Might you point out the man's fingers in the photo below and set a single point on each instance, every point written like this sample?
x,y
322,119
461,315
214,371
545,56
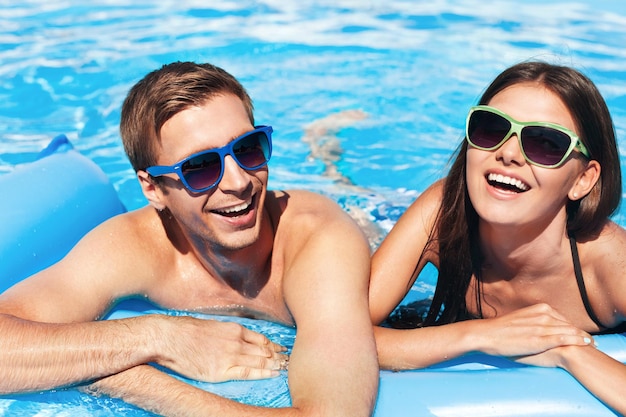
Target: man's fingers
x,y
259,345
239,373
257,368
261,340
276,363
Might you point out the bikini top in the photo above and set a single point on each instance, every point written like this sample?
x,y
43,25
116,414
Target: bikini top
x,y
621,328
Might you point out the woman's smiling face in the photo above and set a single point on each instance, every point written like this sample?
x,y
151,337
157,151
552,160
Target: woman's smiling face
x,y
503,187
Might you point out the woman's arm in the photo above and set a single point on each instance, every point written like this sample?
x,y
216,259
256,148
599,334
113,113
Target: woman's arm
x,y
600,374
395,263
528,331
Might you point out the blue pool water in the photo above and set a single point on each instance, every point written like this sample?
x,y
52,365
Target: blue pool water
x,y
414,69
411,68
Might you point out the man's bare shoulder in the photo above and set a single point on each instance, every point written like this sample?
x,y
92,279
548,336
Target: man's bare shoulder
x,y
292,202
303,210
299,215
138,216
133,227
125,244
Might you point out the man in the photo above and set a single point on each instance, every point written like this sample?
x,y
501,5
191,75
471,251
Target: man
x,y
213,238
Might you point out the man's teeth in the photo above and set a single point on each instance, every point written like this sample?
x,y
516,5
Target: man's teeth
x,y
236,209
508,181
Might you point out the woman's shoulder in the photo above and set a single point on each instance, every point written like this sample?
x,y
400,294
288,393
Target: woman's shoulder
x,y
426,206
605,249
607,255
611,236
416,226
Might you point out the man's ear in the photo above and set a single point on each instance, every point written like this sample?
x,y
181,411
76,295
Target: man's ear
x,y
150,190
585,181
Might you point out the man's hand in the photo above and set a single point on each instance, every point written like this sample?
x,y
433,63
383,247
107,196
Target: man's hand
x,y
214,351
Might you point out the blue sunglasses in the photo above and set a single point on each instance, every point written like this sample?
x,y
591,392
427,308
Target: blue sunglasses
x,y
204,170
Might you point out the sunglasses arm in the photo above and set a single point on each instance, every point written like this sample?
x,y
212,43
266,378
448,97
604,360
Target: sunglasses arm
x,y
158,170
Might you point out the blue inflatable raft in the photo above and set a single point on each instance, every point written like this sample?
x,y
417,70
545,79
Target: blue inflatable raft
x,y
49,204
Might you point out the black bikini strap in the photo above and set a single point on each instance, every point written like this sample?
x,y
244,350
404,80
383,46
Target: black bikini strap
x,y
581,284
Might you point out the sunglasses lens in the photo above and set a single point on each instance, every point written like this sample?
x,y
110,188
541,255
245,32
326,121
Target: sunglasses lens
x,y
544,145
252,151
486,129
203,170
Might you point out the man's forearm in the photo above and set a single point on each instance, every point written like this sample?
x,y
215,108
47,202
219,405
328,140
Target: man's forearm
x,y
147,387
150,389
38,356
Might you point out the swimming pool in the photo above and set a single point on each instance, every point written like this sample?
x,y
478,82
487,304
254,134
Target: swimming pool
x,y
413,69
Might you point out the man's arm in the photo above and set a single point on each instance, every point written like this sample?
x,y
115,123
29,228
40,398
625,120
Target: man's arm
x,y
50,339
333,368
152,390
38,356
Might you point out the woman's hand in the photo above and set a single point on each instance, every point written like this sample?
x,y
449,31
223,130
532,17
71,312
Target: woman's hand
x,y
528,331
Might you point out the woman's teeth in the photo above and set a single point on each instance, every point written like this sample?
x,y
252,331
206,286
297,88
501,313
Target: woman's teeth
x,y
507,181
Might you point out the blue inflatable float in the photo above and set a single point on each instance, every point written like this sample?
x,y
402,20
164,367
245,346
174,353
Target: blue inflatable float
x,y
49,204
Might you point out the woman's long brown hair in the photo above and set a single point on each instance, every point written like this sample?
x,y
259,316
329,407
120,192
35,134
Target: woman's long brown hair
x,y
456,237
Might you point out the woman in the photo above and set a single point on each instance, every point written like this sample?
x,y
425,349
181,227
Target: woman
x,y
520,234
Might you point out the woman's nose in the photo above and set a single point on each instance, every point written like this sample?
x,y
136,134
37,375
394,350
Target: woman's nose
x,y
511,152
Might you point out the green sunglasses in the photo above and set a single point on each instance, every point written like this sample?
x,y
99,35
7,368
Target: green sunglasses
x,y
542,143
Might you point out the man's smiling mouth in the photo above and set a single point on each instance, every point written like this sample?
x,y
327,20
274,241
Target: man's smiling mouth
x,y
238,210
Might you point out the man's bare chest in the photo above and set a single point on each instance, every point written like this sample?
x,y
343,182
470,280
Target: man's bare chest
x,y
198,291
